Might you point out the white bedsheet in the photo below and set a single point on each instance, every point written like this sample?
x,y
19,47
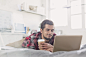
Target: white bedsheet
x,y
23,52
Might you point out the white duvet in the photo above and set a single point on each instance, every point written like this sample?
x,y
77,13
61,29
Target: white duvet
x,y
22,52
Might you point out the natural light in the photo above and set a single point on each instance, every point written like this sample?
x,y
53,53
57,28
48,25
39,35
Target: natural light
x,y
76,22
58,12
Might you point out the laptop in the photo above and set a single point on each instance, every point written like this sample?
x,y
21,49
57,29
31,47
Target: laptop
x,y
67,42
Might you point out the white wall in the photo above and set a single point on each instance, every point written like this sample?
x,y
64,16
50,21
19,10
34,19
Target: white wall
x,y
30,20
68,31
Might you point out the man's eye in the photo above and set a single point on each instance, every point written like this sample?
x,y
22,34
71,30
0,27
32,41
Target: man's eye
x,y
47,29
52,30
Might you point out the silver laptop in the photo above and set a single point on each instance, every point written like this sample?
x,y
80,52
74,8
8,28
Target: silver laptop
x,y
67,42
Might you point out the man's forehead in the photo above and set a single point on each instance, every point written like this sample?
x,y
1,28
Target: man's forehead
x,y
49,29
49,26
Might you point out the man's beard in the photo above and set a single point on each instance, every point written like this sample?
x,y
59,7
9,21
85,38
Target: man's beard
x,y
46,38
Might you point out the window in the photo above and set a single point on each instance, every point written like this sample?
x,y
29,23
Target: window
x,y
85,13
58,12
76,7
76,14
71,13
76,22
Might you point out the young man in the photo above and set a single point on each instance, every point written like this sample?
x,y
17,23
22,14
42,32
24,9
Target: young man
x,y
46,33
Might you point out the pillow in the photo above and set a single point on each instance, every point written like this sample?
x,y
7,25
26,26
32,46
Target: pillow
x,y
17,44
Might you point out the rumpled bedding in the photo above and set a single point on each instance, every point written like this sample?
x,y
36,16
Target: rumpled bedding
x,y
23,52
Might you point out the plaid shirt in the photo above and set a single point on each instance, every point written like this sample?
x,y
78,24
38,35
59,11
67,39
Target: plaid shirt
x,y
31,41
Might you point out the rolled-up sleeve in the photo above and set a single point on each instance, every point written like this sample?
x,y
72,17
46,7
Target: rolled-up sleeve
x,y
27,43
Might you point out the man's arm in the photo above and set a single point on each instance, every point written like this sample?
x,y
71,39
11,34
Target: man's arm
x,y
28,43
46,46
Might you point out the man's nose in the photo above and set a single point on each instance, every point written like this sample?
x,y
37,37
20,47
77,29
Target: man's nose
x,y
50,31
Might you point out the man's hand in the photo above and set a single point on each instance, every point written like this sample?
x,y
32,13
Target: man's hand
x,y
50,49
46,46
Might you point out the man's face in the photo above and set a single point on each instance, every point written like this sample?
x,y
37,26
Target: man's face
x,y
48,31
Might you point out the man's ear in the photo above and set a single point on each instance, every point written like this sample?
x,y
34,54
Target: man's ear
x,y
41,30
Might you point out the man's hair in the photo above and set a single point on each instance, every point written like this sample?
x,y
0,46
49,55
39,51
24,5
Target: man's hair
x,y
49,22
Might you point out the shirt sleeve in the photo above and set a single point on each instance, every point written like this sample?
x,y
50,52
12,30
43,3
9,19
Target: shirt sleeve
x,y
27,43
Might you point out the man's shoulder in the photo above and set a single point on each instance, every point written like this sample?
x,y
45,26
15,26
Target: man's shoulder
x,y
54,35
34,35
